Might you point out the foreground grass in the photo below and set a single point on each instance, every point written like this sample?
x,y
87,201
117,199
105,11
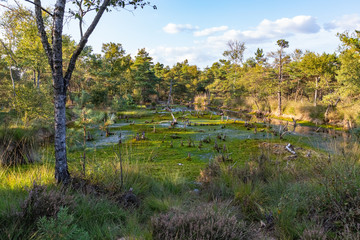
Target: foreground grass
x,y
261,190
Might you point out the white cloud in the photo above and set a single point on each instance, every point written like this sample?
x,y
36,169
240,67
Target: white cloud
x,y
346,22
268,31
173,28
198,55
209,31
298,24
302,32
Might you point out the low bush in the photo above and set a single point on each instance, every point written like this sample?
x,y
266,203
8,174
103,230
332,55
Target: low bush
x,y
98,95
122,103
60,227
43,203
206,221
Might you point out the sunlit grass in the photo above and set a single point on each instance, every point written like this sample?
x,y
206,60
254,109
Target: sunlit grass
x,y
20,177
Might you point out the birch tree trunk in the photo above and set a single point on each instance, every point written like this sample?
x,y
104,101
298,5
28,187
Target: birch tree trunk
x,y
61,167
60,82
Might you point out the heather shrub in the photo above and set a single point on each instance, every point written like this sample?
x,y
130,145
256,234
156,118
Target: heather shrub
x,y
206,221
43,203
314,233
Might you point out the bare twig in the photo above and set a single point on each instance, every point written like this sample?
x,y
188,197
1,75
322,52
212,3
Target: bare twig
x,y
38,5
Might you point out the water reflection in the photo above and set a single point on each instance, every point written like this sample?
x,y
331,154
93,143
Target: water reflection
x,y
318,137
321,138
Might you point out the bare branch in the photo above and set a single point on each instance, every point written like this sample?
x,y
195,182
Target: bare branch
x,y
43,36
37,5
83,41
2,5
9,51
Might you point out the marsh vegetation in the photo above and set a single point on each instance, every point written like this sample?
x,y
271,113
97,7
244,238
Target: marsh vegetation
x,y
209,176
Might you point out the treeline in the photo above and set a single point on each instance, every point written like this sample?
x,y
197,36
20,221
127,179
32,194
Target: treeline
x,y
302,84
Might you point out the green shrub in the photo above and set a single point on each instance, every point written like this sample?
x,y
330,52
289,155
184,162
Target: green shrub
x,y
31,103
62,227
98,95
83,100
122,103
314,112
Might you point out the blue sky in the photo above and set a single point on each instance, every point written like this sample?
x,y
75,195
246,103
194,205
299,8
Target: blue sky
x,y
198,30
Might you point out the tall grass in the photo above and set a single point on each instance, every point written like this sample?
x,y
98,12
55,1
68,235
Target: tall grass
x,y
318,193
100,214
17,146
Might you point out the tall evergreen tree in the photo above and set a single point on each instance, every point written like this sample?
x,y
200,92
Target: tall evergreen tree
x,y
144,76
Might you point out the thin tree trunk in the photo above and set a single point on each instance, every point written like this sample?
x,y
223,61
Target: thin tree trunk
x,y
61,166
296,95
316,91
121,167
13,83
280,82
38,79
34,77
84,152
80,26
279,102
170,97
